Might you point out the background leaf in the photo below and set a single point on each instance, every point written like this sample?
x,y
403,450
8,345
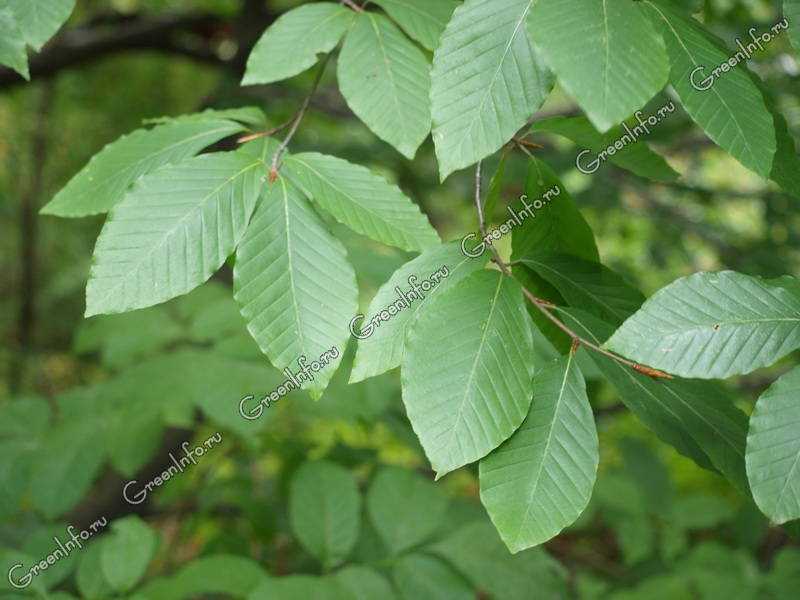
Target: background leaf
x,y
404,508
421,576
127,552
467,370
385,80
325,511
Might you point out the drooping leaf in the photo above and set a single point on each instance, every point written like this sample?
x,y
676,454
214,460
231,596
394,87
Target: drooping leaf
x,y
541,288
386,82
384,348
605,53
421,576
404,508
325,511
635,156
216,574
291,44
489,566
485,83
732,110
39,20
293,284
173,231
698,418
12,44
126,553
553,222
423,20
467,370
589,286
713,325
540,480
103,182
363,201
773,450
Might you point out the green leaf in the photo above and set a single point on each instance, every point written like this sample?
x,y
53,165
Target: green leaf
x,y
12,44
364,583
636,157
488,566
217,574
68,462
39,20
589,286
127,552
791,11
698,418
384,348
300,587
494,193
606,55
713,325
404,508
173,231
386,82
363,201
102,183
89,578
293,284
773,450
486,81
291,44
732,111
252,116
557,225
418,576
467,370
541,479
325,511
423,20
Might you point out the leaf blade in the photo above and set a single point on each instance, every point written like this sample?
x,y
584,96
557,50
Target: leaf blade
x,y
385,80
461,398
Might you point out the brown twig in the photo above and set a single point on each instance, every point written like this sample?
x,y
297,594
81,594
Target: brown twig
x,y
260,134
295,123
352,5
546,307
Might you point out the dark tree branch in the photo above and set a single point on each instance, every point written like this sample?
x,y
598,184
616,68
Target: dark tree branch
x,y
194,36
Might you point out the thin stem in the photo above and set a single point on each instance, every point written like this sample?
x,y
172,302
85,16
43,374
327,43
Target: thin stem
x,y
546,307
260,134
352,5
295,123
